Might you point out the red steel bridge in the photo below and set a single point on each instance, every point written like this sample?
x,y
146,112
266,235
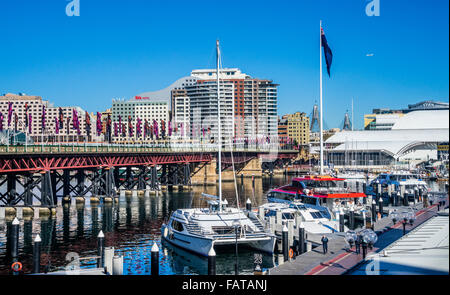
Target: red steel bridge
x,y
103,169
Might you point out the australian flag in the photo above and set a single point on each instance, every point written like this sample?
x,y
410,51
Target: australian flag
x,y
327,52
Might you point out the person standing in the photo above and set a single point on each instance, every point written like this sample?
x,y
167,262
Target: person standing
x,y
325,244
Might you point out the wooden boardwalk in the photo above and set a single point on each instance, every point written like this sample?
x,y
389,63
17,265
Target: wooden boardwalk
x,y
339,258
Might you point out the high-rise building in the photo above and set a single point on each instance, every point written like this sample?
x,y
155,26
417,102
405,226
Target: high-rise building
x,y
254,101
298,127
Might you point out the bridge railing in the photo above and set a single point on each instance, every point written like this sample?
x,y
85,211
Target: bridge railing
x,y
131,148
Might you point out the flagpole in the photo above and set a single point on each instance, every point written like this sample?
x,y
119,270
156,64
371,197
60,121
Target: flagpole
x,y
321,109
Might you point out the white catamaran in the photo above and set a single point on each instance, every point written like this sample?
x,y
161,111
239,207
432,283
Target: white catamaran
x,y
199,229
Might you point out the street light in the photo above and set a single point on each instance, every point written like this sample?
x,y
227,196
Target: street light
x,y
369,238
236,227
394,216
407,217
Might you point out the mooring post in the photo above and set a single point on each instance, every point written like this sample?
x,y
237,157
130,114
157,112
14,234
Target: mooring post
x,y
212,262
155,260
416,195
248,205
352,219
109,255
15,238
118,265
374,211
37,254
285,243
341,221
101,249
301,238
380,207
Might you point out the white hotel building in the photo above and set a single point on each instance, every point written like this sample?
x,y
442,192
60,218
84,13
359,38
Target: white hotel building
x,y
139,107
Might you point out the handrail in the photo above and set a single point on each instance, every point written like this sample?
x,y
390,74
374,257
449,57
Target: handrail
x,y
118,148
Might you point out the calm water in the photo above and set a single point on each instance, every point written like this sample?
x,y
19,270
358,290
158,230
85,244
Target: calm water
x,y
131,227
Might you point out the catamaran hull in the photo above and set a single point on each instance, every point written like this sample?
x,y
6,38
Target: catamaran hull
x,y
202,245
199,245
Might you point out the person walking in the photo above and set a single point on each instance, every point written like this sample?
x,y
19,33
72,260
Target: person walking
x,y
325,244
358,244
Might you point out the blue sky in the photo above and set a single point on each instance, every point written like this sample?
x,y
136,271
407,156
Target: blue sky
x,y
123,48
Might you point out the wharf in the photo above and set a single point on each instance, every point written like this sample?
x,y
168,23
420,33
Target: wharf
x,y
340,259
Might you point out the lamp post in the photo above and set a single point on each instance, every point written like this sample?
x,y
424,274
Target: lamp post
x,y
407,217
369,238
394,216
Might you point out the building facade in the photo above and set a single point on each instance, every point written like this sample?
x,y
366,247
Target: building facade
x,y
298,127
139,107
25,106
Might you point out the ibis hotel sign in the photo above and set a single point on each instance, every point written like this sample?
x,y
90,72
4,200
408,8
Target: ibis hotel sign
x,y
141,98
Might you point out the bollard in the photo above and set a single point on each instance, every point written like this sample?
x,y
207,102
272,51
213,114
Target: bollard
x,y
212,262
364,218
345,184
416,195
341,221
374,211
248,205
364,187
420,195
379,191
357,186
118,265
15,238
380,207
405,199
155,260
397,198
285,243
351,221
37,255
109,255
101,250
301,238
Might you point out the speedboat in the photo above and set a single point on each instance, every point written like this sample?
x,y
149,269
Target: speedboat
x,y
199,229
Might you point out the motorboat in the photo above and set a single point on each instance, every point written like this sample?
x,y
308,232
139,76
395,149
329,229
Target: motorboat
x,y
324,193
314,220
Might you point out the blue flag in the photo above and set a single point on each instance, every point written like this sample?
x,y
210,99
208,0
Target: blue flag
x,y
327,52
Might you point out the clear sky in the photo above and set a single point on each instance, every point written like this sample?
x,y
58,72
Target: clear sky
x,y
123,48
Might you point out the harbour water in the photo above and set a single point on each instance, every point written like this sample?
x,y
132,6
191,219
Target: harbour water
x,y
132,227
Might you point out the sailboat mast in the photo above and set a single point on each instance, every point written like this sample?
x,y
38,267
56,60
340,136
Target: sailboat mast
x,y
219,158
321,109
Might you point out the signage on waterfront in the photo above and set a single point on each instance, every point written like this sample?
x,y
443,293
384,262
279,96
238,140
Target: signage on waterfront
x,y
141,98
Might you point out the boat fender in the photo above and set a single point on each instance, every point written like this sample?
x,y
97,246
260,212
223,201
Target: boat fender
x,y
166,232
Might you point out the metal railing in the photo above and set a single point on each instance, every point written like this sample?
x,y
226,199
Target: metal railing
x,y
130,148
